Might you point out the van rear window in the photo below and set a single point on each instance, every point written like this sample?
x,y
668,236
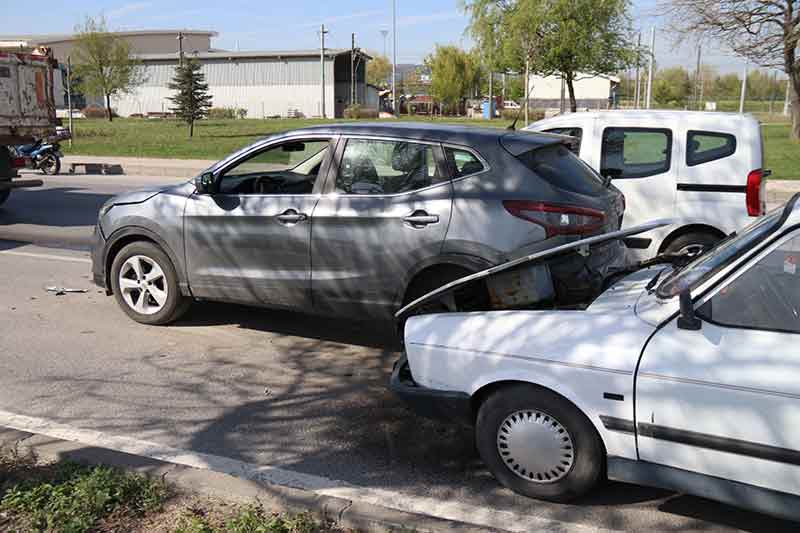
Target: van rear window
x,y
557,165
705,146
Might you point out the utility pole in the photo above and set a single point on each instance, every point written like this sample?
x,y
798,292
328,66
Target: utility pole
x,y
69,97
322,32
650,66
697,79
527,87
772,91
561,102
180,48
352,69
744,89
395,109
638,62
491,95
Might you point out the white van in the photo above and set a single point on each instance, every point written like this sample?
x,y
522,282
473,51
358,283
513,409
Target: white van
x,y
703,169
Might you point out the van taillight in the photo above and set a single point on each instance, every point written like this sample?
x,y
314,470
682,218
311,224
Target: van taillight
x,y
755,193
557,219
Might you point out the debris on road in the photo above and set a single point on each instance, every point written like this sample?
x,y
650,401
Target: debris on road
x,y
60,291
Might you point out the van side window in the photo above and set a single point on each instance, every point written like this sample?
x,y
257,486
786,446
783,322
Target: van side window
x,y
705,146
574,146
635,152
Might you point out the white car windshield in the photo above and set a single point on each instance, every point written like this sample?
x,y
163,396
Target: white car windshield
x,y
717,258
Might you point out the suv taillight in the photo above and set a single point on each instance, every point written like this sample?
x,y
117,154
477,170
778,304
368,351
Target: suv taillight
x,y
18,162
557,219
755,193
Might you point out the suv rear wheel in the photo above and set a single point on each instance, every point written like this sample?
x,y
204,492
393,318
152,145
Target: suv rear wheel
x,y
146,286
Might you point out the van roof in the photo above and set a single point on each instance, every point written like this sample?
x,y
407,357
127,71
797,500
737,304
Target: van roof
x,y
659,115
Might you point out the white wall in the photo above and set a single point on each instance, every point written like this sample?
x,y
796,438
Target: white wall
x,y
549,87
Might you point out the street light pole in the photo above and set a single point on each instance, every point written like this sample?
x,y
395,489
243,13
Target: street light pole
x,y
395,110
322,33
69,97
650,66
384,33
744,89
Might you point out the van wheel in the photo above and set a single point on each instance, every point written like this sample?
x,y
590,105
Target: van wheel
x,y
146,286
692,244
538,444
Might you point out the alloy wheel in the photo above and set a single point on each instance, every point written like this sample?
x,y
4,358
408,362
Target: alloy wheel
x,y
143,285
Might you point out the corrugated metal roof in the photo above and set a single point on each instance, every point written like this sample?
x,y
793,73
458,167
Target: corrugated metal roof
x,y
45,38
271,54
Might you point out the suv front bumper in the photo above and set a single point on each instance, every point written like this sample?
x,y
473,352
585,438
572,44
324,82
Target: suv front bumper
x,y
449,406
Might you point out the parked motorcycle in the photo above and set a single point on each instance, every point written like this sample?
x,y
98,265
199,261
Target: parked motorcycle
x,y
42,155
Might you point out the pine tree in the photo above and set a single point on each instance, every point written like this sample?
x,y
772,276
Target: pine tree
x,y
192,100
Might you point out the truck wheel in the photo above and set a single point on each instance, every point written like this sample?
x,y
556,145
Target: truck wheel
x,y
694,244
146,286
538,444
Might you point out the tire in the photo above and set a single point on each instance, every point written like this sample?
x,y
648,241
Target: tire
x,y
6,172
4,196
50,165
163,302
469,298
696,243
572,459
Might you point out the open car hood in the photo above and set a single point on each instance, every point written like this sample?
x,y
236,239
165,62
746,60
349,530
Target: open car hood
x,y
586,243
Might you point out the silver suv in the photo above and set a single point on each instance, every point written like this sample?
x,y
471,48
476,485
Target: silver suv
x,y
356,220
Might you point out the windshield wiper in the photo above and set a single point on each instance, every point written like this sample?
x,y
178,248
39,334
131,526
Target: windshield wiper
x,y
653,282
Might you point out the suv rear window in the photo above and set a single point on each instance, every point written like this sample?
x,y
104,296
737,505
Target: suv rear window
x,y
557,165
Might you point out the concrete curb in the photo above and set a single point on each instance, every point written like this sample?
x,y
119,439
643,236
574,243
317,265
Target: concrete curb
x,y
142,166
346,513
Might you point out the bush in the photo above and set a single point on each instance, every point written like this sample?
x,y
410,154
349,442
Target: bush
x,y
227,113
511,114
95,111
359,111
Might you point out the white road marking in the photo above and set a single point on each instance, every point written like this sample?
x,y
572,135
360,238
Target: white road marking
x,y
52,257
447,509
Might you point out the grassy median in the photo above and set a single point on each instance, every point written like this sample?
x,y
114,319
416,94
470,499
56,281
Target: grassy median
x,y
68,497
214,139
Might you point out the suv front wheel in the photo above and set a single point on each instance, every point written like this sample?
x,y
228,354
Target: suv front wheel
x,y
146,286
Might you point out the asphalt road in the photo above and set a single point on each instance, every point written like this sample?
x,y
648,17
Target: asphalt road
x,y
274,388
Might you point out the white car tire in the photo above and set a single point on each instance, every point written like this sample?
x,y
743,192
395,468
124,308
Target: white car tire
x,y
538,444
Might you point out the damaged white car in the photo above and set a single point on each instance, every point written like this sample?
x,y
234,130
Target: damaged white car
x,y
682,374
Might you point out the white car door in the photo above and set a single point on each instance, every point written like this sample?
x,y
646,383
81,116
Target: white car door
x,y
725,400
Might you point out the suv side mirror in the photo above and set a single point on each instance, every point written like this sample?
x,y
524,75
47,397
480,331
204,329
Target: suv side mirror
x,y
206,183
687,319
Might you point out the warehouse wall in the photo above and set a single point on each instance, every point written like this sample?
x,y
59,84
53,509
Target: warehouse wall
x,y
264,87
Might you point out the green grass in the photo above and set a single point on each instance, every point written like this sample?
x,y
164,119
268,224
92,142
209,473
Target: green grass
x,y
250,519
215,139
67,497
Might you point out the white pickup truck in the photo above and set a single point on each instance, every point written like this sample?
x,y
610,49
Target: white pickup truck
x,y
27,106
704,170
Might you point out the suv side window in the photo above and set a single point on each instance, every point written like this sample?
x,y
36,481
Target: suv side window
x,y
635,152
463,162
705,146
766,296
288,168
576,132
386,167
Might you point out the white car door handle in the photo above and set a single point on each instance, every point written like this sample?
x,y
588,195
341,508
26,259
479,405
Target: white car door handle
x,y
292,217
421,219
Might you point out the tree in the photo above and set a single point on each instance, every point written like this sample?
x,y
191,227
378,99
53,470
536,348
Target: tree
x,y
453,75
379,71
557,37
192,100
766,32
103,63
672,87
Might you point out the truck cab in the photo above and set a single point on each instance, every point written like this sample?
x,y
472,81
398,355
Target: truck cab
x,y
705,170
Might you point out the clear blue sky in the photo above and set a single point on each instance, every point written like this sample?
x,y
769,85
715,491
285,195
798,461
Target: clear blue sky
x,y
292,24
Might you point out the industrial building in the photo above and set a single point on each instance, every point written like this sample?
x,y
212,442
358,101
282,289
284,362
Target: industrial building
x,y
263,83
591,91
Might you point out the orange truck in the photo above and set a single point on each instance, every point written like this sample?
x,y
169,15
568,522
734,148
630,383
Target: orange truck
x,y
28,76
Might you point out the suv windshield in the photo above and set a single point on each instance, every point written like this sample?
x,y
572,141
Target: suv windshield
x,y
713,261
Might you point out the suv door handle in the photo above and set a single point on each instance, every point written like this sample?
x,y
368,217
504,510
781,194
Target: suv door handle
x,y
421,218
290,216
